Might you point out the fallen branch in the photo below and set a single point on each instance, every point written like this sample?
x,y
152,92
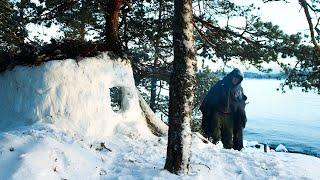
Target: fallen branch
x,y
158,127
205,140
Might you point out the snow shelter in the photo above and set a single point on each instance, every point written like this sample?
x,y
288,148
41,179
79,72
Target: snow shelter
x,y
73,96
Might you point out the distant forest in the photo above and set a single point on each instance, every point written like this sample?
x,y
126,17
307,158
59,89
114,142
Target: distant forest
x,y
252,75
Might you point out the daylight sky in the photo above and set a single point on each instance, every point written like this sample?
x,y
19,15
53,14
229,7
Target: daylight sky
x,y
289,16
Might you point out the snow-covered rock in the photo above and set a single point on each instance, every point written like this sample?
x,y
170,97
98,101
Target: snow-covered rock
x,y
281,148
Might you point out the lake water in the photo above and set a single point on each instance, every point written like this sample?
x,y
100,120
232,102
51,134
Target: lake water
x,y
291,118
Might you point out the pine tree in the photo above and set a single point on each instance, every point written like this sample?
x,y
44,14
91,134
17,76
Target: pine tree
x,y
182,86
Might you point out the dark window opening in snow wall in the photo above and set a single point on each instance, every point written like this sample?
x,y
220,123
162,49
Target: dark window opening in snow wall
x,y
116,98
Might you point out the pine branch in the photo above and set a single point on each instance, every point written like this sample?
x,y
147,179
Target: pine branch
x,y
51,13
203,36
305,6
265,1
218,29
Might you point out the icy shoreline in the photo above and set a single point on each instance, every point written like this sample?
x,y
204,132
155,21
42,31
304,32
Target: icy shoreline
x,y
273,147
304,152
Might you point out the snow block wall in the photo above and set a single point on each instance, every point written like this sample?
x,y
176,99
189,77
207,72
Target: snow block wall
x,y
74,97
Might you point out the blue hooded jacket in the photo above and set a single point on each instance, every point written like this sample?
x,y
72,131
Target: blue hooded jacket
x,y
223,96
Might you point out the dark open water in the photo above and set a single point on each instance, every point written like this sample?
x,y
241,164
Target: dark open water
x,y
292,118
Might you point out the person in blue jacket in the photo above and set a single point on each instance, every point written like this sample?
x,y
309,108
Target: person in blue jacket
x,y
223,113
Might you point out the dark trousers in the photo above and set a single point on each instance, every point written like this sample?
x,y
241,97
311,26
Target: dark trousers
x,y
225,127
238,138
219,126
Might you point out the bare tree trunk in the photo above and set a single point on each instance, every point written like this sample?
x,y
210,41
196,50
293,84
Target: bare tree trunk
x,y
182,87
112,12
82,32
153,94
156,60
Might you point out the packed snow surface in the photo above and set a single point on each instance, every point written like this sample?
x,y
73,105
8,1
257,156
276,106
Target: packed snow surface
x,y
56,122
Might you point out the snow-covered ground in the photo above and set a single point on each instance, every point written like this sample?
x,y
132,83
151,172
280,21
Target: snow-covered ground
x,y
42,152
56,122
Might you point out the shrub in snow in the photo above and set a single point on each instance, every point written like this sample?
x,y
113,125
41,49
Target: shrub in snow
x,y
116,98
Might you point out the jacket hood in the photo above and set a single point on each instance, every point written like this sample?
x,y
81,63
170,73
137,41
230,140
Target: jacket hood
x,y
235,73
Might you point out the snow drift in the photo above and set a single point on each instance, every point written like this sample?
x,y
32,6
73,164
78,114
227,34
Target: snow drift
x,y
73,96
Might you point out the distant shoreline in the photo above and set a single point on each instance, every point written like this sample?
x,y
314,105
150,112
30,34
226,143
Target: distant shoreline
x,y
252,75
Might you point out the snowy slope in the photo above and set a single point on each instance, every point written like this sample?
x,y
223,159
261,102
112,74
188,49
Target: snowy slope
x,y
56,122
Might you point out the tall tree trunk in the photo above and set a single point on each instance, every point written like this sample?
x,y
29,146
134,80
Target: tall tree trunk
x,y
182,87
112,12
153,94
156,60
82,32
22,6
